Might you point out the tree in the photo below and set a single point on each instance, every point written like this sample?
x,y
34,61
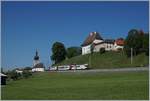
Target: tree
x,y
73,51
146,43
14,75
58,52
28,68
134,40
26,74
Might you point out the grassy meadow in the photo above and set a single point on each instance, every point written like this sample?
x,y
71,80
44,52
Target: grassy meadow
x,y
108,60
55,86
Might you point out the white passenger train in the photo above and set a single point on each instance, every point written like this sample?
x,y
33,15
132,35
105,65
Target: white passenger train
x,y
69,67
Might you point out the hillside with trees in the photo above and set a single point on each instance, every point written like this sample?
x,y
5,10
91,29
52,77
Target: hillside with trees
x,y
136,40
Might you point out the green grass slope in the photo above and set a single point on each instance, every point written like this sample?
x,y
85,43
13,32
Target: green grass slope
x,y
108,60
55,86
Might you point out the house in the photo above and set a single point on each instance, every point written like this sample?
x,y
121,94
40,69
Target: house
x,y
119,44
92,39
3,79
94,42
37,66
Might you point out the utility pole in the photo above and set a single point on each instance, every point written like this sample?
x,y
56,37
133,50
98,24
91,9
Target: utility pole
x,y
90,59
90,55
131,55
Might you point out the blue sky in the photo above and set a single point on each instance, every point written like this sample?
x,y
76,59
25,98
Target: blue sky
x,y
27,26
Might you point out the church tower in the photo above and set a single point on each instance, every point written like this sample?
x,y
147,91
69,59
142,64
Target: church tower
x,y
36,59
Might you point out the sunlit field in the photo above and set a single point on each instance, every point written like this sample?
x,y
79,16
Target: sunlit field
x,y
52,85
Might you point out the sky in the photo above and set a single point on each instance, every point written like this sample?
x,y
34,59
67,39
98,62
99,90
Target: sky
x,y
31,25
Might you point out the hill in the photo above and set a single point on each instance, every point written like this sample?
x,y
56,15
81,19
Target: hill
x,y
108,60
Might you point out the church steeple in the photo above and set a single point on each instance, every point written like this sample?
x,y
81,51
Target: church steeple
x,y
36,57
37,65
36,53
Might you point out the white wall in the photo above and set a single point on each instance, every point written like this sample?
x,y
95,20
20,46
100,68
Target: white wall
x,y
86,49
109,46
98,47
36,62
118,47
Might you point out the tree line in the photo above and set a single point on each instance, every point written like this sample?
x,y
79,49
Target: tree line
x,y
138,41
60,53
13,75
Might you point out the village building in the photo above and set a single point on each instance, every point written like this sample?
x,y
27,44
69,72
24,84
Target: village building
x,y
37,66
94,42
88,44
119,43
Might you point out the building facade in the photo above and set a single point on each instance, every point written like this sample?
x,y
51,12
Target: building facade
x,y
94,42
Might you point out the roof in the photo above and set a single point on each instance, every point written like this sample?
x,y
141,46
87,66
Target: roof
x,y
39,65
120,41
92,36
109,41
99,43
36,57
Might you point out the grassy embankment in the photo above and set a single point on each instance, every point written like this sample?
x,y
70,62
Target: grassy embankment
x,y
108,60
52,85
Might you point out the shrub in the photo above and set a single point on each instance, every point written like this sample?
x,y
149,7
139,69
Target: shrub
x,y
119,49
26,74
102,50
13,75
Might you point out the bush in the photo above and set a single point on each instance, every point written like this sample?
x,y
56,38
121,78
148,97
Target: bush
x,y
102,50
28,68
13,75
26,74
73,51
119,49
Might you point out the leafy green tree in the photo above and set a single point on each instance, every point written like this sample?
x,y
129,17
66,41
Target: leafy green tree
x,y
58,52
134,40
73,51
146,43
28,68
26,74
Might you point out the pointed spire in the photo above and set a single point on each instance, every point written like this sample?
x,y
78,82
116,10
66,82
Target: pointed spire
x,y
36,52
36,57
